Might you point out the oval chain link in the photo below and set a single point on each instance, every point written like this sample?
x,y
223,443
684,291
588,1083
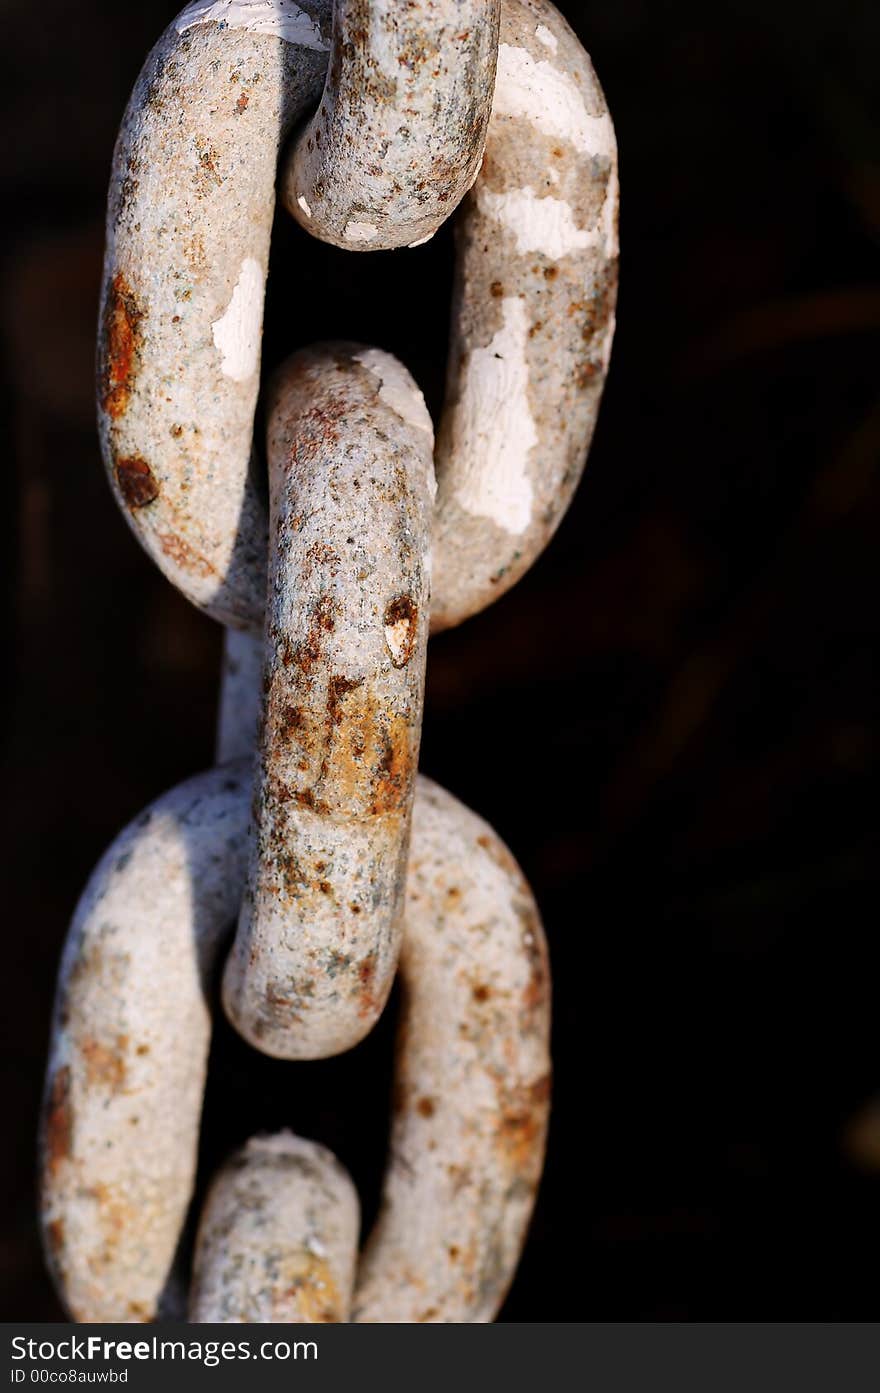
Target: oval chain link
x,y
314,830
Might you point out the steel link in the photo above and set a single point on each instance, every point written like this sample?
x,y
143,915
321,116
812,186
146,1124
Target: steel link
x,y
129,1047
398,136
179,359
351,481
533,318
277,1238
321,702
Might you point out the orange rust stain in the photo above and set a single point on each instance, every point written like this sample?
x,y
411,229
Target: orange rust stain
x,y
521,1123
367,997
58,1135
137,483
426,1107
242,104
312,1296
183,555
306,654
120,346
496,290
105,1064
481,993
55,1236
394,773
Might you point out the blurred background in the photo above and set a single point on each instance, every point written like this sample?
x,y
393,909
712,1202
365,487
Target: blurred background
x,y
671,720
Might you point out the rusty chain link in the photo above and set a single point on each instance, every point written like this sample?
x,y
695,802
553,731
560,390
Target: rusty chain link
x,y
314,829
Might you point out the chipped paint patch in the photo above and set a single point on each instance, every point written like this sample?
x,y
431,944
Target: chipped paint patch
x,y
282,18
397,388
543,35
494,428
303,203
361,232
537,91
237,333
539,224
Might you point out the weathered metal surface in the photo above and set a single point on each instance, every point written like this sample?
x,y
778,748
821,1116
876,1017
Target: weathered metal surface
x,y
192,192
398,136
533,318
472,1081
129,1047
188,236
277,1237
351,485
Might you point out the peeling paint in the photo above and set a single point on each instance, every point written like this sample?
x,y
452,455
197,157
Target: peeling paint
x,y
238,331
282,18
495,429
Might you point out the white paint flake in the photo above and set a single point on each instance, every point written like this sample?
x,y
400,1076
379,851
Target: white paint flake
x,y
535,89
543,35
282,18
237,332
494,429
397,389
303,203
539,224
360,231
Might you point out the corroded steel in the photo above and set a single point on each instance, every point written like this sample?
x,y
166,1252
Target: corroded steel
x,y
277,1237
129,1052
189,217
398,136
321,705
129,1047
180,330
351,483
472,1078
536,283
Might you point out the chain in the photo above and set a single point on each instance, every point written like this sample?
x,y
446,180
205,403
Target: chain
x,y
340,862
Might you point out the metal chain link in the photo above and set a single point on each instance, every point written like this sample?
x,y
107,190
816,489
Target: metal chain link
x,y
313,828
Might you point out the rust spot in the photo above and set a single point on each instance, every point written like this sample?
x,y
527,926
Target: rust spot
x,y
339,687
183,555
105,1064
521,1123
366,974
120,346
426,1107
481,993
136,481
392,784
454,1253
315,1294
242,104
307,654
551,272
399,620
496,290
55,1236
58,1134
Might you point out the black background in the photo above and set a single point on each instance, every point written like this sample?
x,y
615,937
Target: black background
x,y
671,720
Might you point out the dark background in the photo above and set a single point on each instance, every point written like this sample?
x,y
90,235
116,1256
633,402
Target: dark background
x,y
671,720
